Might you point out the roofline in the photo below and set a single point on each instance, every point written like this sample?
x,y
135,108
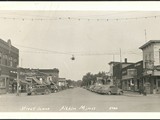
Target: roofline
x,y
112,62
148,43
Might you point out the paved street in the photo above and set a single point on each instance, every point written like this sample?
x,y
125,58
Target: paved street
x,y
79,100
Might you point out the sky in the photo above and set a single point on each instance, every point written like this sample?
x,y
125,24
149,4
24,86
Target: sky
x,y
49,44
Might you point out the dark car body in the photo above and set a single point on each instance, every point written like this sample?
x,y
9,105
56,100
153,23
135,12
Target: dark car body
x,y
110,89
71,86
91,87
54,88
38,89
96,88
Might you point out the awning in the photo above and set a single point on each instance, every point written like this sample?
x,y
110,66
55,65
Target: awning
x,y
24,82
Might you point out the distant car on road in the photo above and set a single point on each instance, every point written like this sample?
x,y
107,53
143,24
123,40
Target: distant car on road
x,y
71,86
110,90
38,89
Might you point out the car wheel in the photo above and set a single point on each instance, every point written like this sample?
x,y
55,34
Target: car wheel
x,y
109,93
46,92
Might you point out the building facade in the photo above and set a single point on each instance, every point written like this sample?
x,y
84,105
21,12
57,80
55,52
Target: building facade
x,y
132,77
53,74
151,65
9,60
117,72
110,73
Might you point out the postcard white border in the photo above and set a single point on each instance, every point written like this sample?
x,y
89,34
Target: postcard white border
x,y
100,6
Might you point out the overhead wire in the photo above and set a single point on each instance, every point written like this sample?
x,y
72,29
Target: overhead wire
x,y
78,18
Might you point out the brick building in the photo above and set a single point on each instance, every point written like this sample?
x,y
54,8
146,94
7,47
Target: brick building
x,y
117,72
132,77
9,59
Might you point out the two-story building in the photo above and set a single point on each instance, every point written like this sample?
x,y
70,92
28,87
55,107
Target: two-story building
x,y
9,60
117,72
132,76
52,74
151,65
110,73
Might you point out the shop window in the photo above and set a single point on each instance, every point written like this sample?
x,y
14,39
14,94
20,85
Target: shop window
x,y
158,83
2,82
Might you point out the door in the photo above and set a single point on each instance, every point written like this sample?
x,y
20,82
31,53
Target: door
x,y
158,86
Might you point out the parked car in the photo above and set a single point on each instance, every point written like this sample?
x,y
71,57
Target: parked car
x,y
96,88
100,89
38,89
54,89
71,86
91,87
110,90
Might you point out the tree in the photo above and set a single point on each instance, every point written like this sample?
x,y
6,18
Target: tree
x,y
90,79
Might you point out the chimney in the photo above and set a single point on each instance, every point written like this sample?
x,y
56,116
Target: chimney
x,y
125,60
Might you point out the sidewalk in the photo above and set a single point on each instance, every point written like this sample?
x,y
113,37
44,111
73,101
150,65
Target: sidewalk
x,y
132,94
12,94
137,94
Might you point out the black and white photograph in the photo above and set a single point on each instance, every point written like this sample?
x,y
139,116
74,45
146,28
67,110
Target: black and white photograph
x,y
55,58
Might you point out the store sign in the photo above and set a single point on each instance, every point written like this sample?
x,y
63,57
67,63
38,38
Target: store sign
x,y
149,65
149,72
132,72
124,72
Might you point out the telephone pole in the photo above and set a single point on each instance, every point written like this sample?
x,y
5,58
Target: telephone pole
x,y
145,35
113,57
120,56
18,81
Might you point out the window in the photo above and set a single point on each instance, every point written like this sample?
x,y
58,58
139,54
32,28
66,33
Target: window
x,y
11,61
2,82
0,57
5,59
158,83
15,62
150,56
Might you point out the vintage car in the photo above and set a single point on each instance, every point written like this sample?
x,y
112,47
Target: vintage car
x,y
71,86
54,88
110,89
38,89
91,87
96,88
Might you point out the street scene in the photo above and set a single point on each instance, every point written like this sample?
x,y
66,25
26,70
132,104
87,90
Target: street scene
x,y
80,100
79,61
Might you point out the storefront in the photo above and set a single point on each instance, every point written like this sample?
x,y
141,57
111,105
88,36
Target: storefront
x,y
152,78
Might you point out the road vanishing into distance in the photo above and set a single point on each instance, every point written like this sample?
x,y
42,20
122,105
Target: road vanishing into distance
x,y
79,100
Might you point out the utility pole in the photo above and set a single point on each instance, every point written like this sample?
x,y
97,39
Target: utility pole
x,y
120,56
113,57
145,35
18,81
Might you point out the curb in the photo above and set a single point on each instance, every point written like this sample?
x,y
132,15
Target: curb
x,y
133,95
